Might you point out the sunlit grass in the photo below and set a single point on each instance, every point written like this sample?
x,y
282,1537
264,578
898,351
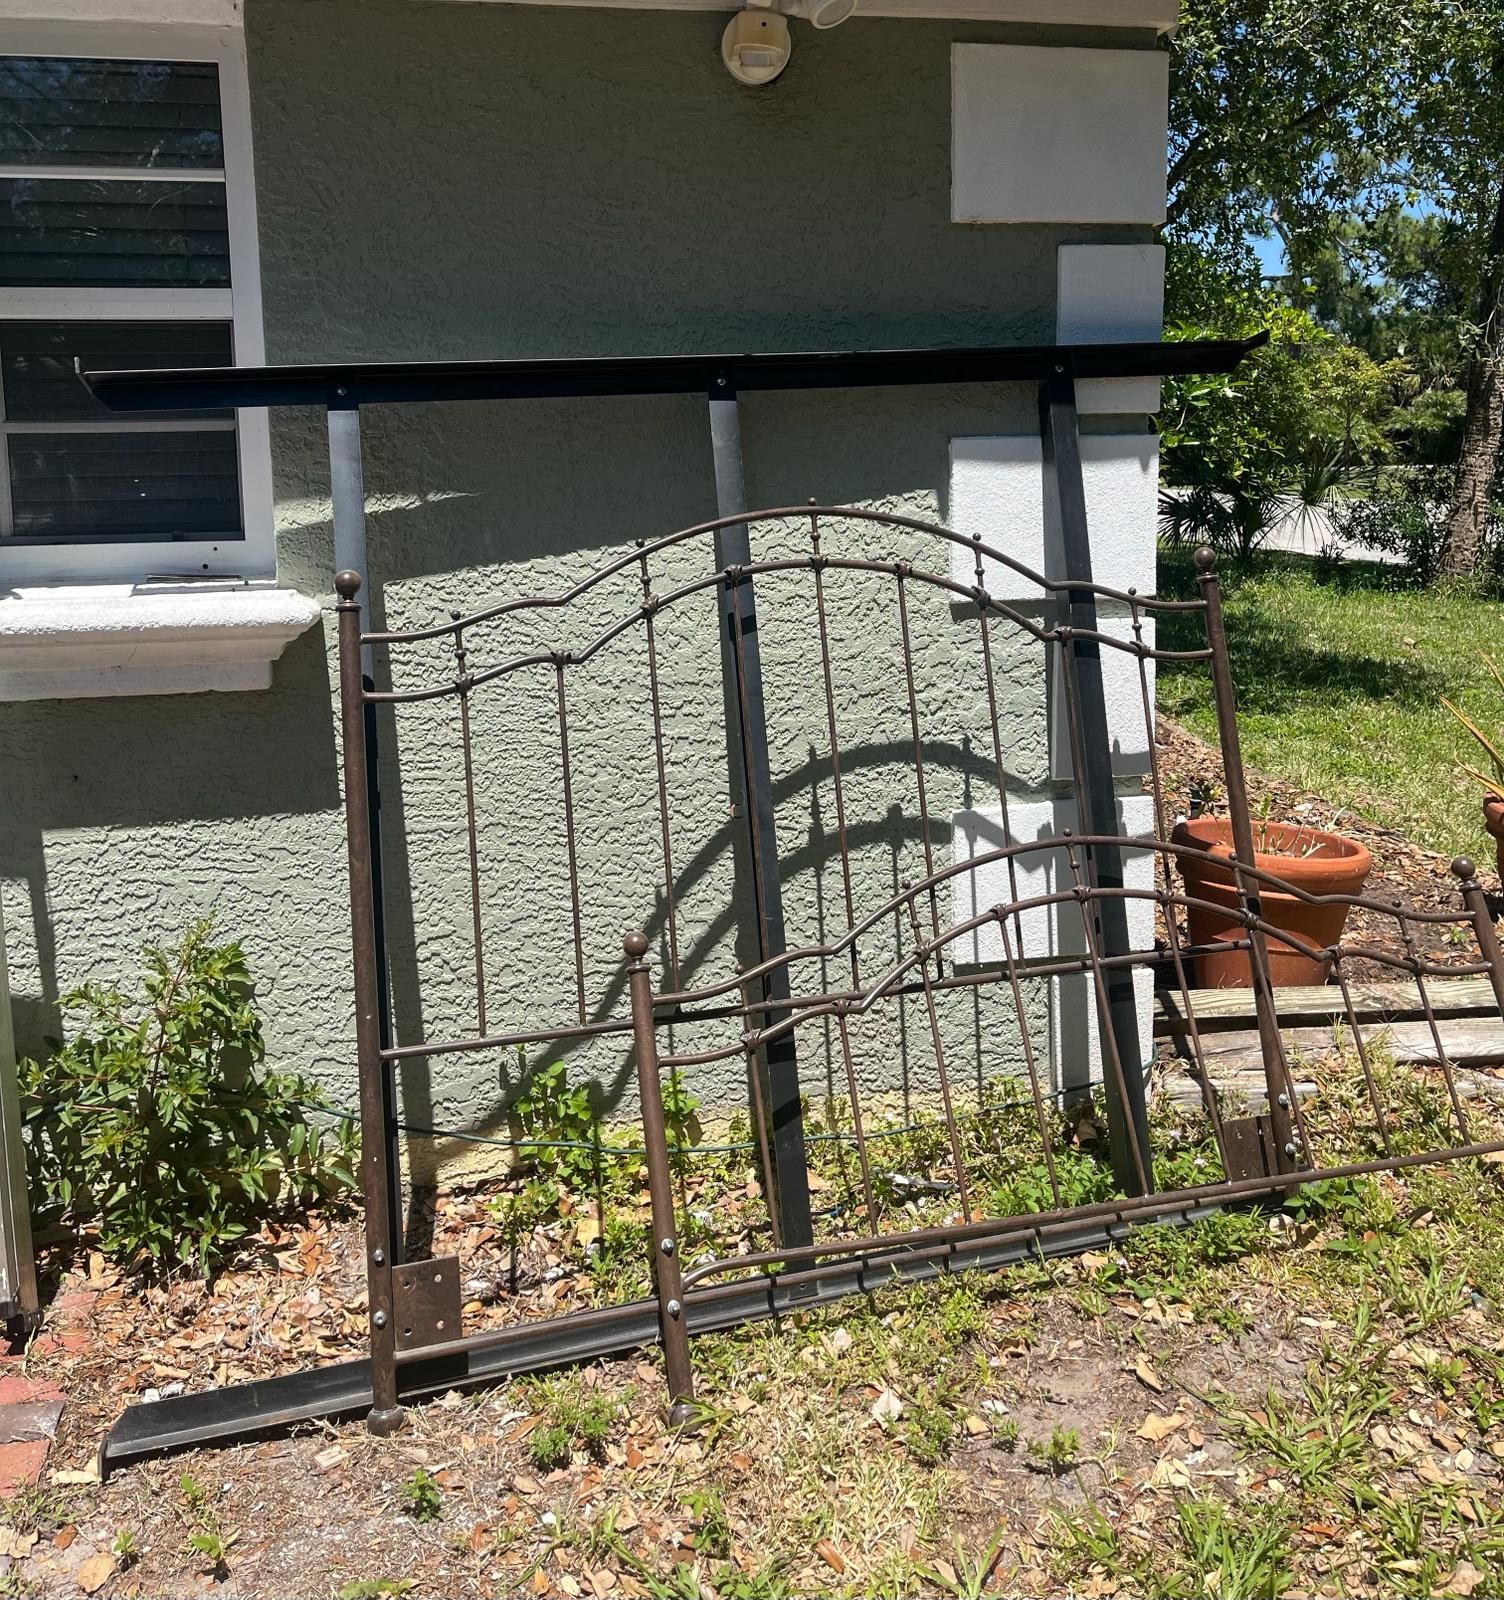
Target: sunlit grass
x,y
1339,681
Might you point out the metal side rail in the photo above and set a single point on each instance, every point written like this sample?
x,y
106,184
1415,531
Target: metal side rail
x,y
238,1411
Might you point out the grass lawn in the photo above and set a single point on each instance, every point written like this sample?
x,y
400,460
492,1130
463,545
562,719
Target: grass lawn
x,y
1339,679
1288,1403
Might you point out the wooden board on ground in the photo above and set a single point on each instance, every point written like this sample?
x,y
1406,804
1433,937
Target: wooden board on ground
x,y
1220,1010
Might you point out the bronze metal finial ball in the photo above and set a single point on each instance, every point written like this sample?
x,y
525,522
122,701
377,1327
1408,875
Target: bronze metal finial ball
x,y
347,584
1464,869
635,944
1205,558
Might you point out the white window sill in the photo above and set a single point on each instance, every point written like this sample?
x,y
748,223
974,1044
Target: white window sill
x,y
90,641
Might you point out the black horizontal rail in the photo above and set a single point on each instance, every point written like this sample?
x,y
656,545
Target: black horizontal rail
x,y
341,385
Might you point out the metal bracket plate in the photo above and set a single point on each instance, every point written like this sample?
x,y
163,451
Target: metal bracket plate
x,y
426,1301
1251,1151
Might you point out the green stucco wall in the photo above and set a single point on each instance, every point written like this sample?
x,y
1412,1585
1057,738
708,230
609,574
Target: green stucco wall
x,y
460,181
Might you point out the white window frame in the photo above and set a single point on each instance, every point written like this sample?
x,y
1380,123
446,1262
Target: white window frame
x,y
254,556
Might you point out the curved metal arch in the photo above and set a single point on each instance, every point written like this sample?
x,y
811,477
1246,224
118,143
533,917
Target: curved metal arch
x,y
641,549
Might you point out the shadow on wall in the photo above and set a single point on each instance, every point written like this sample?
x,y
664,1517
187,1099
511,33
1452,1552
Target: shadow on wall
x,y
896,837
156,805
472,503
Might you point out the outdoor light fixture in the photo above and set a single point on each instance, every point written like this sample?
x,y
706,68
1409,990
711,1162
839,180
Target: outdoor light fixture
x,y
756,46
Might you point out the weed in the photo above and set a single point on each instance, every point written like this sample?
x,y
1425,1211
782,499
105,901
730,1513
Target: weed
x,y
1005,1433
972,1574
548,1447
421,1497
929,1427
1058,1453
1228,1554
373,1588
575,1415
212,1546
1330,1436
712,1526
125,1550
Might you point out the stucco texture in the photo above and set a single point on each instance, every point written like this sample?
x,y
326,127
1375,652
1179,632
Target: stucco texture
x,y
490,181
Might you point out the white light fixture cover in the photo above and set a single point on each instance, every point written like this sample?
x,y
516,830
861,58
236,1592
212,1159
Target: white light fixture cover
x,y
755,46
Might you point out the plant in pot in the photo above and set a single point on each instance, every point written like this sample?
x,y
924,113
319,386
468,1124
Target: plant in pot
x,y
1309,859
1493,787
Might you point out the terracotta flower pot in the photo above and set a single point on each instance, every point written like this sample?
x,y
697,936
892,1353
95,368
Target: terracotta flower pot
x,y
1306,858
1493,820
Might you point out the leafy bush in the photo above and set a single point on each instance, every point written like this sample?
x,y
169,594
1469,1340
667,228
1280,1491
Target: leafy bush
x,y
154,1127
1406,515
1299,425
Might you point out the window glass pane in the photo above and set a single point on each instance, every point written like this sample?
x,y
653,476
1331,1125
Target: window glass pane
x,y
60,112
37,371
66,232
177,485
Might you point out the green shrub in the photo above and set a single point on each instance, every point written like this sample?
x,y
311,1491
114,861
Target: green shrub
x,y
154,1126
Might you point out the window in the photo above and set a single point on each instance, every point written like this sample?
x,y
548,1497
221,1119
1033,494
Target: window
x,y
127,239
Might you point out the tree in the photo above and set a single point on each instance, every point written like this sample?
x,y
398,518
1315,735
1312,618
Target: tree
x,y
1292,115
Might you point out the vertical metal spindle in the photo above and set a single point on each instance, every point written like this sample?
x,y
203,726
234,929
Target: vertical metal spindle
x,y
462,685
385,1415
569,838
1278,1082
1381,1124
856,1113
649,610
1046,1143
924,952
1417,968
667,1275
901,572
1139,1152
817,560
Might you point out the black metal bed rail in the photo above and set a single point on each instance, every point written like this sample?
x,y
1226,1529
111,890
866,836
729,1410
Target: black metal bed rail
x,y
940,1188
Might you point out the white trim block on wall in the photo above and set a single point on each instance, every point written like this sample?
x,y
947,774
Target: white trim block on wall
x,y
1111,294
1075,1034
997,491
1058,135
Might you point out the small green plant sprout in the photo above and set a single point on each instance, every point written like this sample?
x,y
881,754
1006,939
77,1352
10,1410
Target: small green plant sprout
x,y
929,1427
125,1550
1058,1453
195,1496
421,1497
157,1126
372,1588
712,1525
1005,1433
213,1547
548,1446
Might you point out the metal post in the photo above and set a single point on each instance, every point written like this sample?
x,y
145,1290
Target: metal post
x,y
1065,494
1271,1045
347,495
752,788
376,1172
1476,901
20,1304
667,1276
